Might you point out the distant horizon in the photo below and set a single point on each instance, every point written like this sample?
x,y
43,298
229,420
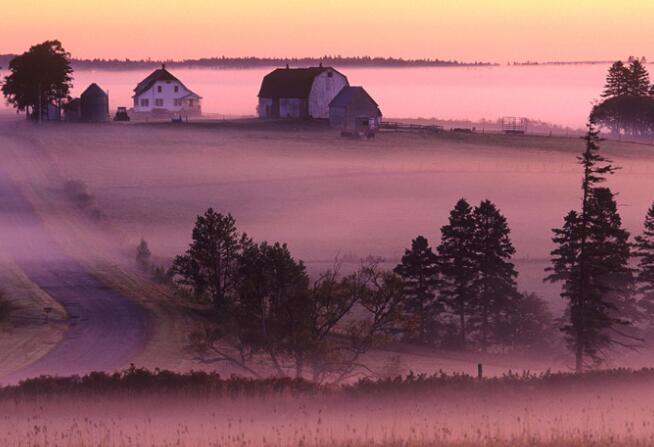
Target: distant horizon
x,y
328,57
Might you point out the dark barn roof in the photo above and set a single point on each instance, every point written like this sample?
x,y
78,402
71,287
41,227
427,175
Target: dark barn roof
x,y
290,82
161,74
351,95
93,91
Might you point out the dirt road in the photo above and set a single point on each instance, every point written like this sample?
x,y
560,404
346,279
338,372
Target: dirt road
x,y
105,331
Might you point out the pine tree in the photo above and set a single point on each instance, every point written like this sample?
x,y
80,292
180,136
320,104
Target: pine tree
x,y
644,250
617,81
143,255
495,281
419,273
591,259
638,79
458,265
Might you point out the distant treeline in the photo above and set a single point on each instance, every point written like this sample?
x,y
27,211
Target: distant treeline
x,y
255,62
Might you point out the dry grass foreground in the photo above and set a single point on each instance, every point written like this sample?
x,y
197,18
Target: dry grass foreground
x,y
138,408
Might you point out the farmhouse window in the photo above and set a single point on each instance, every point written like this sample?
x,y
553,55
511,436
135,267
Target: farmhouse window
x,y
158,89
330,74
178,102
145,102
158,102
176,88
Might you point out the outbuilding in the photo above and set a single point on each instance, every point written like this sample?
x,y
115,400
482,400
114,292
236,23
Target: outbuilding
x,y
94,105
355,113
299,92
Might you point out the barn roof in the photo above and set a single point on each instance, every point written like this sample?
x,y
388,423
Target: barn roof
x,y
290,82
348,94
94,91
161,74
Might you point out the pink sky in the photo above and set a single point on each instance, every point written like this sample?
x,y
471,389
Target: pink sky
x,y
499,30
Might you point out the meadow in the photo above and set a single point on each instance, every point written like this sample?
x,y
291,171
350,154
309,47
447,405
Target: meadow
x,y
139,408
303,184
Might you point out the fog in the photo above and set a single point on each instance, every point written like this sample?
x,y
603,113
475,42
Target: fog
x,y
323,195
558,94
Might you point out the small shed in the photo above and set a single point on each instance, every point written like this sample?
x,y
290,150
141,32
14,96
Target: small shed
x,y
355,112
94,105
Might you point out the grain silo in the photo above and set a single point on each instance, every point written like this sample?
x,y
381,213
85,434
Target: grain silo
x,y
94,104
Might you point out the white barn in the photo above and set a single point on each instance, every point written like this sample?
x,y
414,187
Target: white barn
x,y
299,92
163,93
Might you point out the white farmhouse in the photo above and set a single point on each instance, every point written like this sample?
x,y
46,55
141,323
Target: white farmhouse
x,y
299,92
163,93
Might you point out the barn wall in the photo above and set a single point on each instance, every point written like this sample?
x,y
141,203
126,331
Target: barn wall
x,y
323,90
292,108
265,105
336,116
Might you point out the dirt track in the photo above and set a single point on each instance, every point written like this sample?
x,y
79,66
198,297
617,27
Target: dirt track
x,y
106,330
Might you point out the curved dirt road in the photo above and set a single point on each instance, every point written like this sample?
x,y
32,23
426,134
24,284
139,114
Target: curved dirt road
x,y
105,331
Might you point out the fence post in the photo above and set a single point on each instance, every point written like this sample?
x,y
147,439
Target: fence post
x,y
480,371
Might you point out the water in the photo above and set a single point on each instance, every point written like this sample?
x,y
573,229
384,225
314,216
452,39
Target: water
x,y
557,94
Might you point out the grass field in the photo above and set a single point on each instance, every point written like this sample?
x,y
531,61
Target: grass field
x,y
610,409
303,184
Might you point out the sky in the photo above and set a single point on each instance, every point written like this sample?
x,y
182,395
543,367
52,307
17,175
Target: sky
x,y
465,30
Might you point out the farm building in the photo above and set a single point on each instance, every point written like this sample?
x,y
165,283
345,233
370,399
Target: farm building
x,y
299,92
355,112
163,93
94,105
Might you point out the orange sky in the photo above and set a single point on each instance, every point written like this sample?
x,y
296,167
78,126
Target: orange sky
x,y
488,30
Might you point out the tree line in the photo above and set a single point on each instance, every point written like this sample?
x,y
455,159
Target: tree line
x,y
627,106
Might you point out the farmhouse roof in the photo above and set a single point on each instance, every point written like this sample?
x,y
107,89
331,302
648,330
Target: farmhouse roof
x,y
290,82
161,74
94,91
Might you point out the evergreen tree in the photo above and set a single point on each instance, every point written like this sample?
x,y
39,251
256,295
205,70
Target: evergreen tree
x,y
638,79
419,273
495,281
457,265
591,259
143,256
617,80
210,265
644,250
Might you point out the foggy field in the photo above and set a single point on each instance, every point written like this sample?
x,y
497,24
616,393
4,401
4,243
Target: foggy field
x,y
613,409
324,195
305,185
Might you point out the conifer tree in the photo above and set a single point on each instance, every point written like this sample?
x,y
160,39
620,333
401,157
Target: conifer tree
x,y
644,250
591,260
419,273
457,265
617,80
638,79
143,255
495,281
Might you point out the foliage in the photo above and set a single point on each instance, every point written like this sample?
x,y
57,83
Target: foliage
x,y
628,106
143,256
209,267
458,266
592,262
495,280
644,250
419,272
39,77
